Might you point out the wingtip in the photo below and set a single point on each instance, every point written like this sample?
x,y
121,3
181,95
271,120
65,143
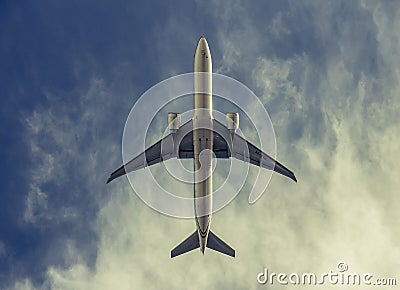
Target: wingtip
x,y
109,180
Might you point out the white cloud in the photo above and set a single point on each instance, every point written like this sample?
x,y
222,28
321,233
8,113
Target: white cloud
x,y
25,284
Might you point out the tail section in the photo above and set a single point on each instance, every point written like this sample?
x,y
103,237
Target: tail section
x,y
213,242
191,243
219,245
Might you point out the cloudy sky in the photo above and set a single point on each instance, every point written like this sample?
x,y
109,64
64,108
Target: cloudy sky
x,y
328,74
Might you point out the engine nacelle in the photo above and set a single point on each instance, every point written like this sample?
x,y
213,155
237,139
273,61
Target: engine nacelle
x,y
232,121
174,121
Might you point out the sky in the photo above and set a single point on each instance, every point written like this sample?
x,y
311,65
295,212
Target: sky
x,y
328,74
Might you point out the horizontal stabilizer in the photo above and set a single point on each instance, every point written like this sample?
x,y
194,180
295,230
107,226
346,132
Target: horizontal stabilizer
x,y
219,245
191,243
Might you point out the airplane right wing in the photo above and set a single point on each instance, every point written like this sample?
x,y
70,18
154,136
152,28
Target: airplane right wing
x,y
243,150
179,144
150,156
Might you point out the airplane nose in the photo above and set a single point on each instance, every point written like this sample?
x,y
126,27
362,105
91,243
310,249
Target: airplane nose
x,y
202,56
202,43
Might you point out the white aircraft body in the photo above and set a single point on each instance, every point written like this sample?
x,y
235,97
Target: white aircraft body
x,y
202,144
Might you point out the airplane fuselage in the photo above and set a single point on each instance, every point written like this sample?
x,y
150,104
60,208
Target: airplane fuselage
x,y
203,140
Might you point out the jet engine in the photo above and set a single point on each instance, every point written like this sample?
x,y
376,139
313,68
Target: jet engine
x,y
232,121
174,121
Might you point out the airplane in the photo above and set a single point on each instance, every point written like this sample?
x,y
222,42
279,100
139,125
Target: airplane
x,y
208,139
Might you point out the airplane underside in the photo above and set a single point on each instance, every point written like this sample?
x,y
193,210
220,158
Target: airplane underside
x,y
202,138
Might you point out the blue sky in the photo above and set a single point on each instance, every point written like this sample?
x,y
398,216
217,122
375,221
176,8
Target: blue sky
x,y
328,74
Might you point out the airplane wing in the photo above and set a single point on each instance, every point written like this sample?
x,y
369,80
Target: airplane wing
x,y
244,150
179,144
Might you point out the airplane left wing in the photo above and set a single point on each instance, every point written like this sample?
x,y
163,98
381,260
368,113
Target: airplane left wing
x,y
244,150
